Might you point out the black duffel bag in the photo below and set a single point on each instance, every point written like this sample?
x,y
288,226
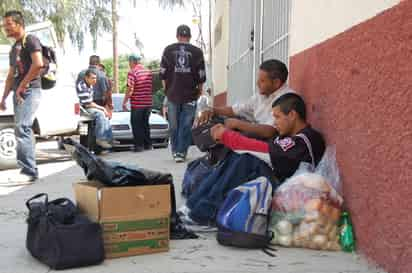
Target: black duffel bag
x,y
59,236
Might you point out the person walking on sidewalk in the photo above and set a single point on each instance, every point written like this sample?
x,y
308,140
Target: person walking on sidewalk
x,y
139,91
182,71
23,78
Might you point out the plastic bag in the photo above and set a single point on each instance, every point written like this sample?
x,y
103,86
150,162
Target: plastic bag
x,y
306,208
328,168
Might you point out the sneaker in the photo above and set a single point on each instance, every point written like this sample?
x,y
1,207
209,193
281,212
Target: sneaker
x,y
103,143
138,149
19,179
179,158
148,147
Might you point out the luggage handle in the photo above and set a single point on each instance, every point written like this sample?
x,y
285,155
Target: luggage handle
x,y
60,201
37,196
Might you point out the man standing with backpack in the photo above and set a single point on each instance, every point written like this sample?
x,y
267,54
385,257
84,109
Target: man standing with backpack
x,y
23,78
182,71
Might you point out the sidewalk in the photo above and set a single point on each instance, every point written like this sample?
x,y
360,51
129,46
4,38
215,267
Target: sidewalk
x,y
194,256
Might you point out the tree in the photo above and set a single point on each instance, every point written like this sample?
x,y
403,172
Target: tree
x,y
75,18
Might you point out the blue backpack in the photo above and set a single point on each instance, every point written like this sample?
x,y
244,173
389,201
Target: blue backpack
x,y
243,218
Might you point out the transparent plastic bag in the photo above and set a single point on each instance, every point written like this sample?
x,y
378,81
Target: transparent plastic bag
x,y
306,208
328,168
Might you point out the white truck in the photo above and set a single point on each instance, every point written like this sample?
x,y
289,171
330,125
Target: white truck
x,y
59,110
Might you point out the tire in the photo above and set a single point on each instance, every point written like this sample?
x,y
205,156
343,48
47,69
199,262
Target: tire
x,y
8,145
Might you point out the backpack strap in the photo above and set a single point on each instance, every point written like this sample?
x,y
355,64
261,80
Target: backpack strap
x,y
309,146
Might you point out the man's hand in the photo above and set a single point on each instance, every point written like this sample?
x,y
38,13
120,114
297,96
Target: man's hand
x,y
217,131
205,116
124,106
109,112
106,113
19,92
3,105
232,123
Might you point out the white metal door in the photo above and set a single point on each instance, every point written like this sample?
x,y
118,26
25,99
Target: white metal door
x,y
274,29
241,51
259,30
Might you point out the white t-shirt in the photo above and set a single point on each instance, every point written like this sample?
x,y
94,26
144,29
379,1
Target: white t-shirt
x,y
258,108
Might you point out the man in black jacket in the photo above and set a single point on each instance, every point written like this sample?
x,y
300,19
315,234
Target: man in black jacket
x,y
182,71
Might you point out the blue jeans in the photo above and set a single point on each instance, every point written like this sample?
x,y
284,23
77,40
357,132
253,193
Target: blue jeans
x,y
24,117
181,117
103,129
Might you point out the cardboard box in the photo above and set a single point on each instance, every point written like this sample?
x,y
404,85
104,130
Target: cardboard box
x,y
135,220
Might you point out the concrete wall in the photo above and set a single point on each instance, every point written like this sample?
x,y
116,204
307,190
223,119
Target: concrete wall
x,y
220,42
314,21
358,86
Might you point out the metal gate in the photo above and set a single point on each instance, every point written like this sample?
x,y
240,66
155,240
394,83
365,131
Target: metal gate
x,y
259,30
241,54
274,27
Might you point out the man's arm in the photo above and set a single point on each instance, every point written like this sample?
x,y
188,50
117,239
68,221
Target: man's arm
x,y
108,94
7,88
164,84
257,130
36,66
236,141
129,92
205,116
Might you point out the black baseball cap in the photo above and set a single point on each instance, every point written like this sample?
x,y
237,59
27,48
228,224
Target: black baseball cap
x,y
184,31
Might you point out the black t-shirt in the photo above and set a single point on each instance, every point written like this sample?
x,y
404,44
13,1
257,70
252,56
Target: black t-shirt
x,y
286,153
183,69
20,60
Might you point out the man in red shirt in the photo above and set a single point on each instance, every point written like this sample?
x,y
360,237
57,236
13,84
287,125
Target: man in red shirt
x,y
139,91
297,141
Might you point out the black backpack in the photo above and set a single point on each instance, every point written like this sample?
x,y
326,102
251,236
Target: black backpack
x,y
48,72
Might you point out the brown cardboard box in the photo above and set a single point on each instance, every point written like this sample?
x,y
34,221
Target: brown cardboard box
x,y
135,220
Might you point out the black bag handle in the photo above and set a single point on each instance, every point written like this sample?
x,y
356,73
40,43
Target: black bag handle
x,y
60,201
37,196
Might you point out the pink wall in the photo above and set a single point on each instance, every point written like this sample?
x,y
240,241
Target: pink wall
x,y
358,86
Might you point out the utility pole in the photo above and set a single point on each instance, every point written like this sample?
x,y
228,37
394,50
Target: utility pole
x,y
211,49
115,45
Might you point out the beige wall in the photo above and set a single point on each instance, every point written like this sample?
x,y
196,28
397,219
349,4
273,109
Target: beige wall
x,y
220,48
314,21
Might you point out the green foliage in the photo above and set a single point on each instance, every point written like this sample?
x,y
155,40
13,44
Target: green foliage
x,y
77,18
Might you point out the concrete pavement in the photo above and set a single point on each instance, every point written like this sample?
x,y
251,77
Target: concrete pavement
x,y
194,256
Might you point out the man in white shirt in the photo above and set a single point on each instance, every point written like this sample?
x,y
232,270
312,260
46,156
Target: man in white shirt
x,y
257,110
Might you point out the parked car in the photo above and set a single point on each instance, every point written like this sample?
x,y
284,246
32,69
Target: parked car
x,y
59,110
122,129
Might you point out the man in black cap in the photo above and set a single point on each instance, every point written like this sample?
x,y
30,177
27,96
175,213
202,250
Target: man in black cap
x,y
182,71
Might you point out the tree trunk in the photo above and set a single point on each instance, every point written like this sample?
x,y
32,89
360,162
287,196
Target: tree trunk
x,y
115,45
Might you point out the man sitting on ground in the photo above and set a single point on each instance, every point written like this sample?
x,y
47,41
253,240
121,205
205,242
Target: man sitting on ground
x,y
271,82
84,90
297,141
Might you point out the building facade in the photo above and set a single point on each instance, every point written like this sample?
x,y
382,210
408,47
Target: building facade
x,y
352,62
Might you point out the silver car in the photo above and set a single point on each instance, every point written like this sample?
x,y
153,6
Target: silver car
x,y
122,129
